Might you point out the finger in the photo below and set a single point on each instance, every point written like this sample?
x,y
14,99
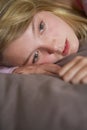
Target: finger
x,y
45,68
84,80
39,71
53,68
80,75
76,72
29,71
68,66
47,73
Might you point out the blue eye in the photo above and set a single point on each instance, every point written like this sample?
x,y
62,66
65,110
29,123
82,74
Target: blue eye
x,y
41,26
35,57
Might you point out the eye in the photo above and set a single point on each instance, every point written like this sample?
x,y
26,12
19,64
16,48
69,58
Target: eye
x,y
41,26
35,57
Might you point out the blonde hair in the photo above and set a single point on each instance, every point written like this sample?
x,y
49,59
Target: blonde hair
x,y
15,16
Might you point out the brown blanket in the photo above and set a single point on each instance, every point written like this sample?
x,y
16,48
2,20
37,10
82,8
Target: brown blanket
x,y
40,102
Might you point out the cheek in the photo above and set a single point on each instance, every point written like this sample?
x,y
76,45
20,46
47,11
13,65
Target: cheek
x,y
49,58
45,57
58,30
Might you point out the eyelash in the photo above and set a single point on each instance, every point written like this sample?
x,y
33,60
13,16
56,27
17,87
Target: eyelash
x,y
35,57
41,26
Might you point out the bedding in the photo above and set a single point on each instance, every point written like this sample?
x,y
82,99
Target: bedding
x,y
41,102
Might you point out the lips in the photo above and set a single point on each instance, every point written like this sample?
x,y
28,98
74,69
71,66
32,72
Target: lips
x,y
66,48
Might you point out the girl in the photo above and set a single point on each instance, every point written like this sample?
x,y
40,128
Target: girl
x,y
36,34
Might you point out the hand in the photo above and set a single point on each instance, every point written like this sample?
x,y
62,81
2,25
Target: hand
x,y
49,69
75,71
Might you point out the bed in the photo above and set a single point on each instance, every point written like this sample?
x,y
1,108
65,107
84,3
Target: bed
x,y
41,102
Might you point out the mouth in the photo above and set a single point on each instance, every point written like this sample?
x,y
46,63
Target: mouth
x,y
66,48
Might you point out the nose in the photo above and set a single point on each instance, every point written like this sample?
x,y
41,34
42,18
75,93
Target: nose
x,y
52,47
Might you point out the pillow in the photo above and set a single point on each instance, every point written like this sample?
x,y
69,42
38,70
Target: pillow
x,y
31,102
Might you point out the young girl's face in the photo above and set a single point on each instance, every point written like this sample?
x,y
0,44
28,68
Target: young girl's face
x,y
47,40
